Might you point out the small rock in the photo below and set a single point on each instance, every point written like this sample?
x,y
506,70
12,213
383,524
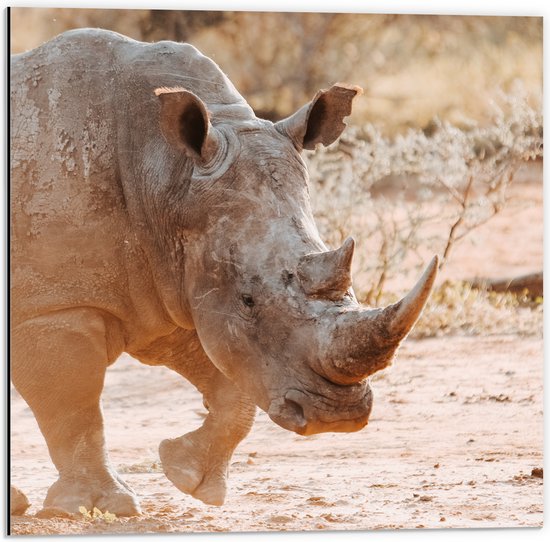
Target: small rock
x,y
318,501
280,519
537,472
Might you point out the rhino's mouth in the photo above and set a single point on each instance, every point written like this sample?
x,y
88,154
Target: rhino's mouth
x,y
309,413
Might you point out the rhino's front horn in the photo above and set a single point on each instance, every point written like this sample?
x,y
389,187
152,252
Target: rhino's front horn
x,y
405,313
364,341
327,274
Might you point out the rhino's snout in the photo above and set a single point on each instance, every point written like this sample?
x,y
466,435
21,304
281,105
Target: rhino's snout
x,y
299,411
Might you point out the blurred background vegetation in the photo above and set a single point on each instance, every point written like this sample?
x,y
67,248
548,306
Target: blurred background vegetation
x,y
413,68
452,110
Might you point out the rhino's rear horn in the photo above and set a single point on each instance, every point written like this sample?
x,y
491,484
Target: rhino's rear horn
x,y
327,274
185,124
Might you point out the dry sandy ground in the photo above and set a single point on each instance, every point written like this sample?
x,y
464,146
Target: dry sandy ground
x,y
456,431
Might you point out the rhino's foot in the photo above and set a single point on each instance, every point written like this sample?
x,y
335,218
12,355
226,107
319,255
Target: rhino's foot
x,y
65,498
193,470
18,502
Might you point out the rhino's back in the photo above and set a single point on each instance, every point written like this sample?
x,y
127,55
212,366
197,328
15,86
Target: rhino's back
x,y
83,112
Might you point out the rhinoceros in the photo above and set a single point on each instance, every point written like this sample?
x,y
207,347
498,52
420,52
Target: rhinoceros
x,y
153,213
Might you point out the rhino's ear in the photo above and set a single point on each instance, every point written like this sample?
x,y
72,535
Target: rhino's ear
x,y
185,124
322,119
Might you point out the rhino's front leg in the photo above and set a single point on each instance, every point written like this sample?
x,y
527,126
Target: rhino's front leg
x,y
197,463
58,365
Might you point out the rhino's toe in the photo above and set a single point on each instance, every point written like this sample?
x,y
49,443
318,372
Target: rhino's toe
x,y
211,491
18,502
180,463
186,480
189,468
191,482
119,503
66,498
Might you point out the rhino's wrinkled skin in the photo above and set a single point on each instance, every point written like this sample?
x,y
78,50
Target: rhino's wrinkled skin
x,y
154,214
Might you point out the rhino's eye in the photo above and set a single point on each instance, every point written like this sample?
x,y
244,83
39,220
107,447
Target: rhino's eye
x,y
248,300
287,277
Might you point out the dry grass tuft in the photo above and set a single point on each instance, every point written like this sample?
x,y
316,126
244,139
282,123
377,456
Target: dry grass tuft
x,y
457,308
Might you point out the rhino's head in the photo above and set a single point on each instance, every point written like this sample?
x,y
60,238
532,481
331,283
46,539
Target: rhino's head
x,y
273,307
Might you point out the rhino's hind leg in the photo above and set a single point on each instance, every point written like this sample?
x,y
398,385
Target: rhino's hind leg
x,y
58,366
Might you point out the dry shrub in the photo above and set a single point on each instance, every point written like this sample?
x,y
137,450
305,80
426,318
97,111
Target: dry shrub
x,y
421,192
